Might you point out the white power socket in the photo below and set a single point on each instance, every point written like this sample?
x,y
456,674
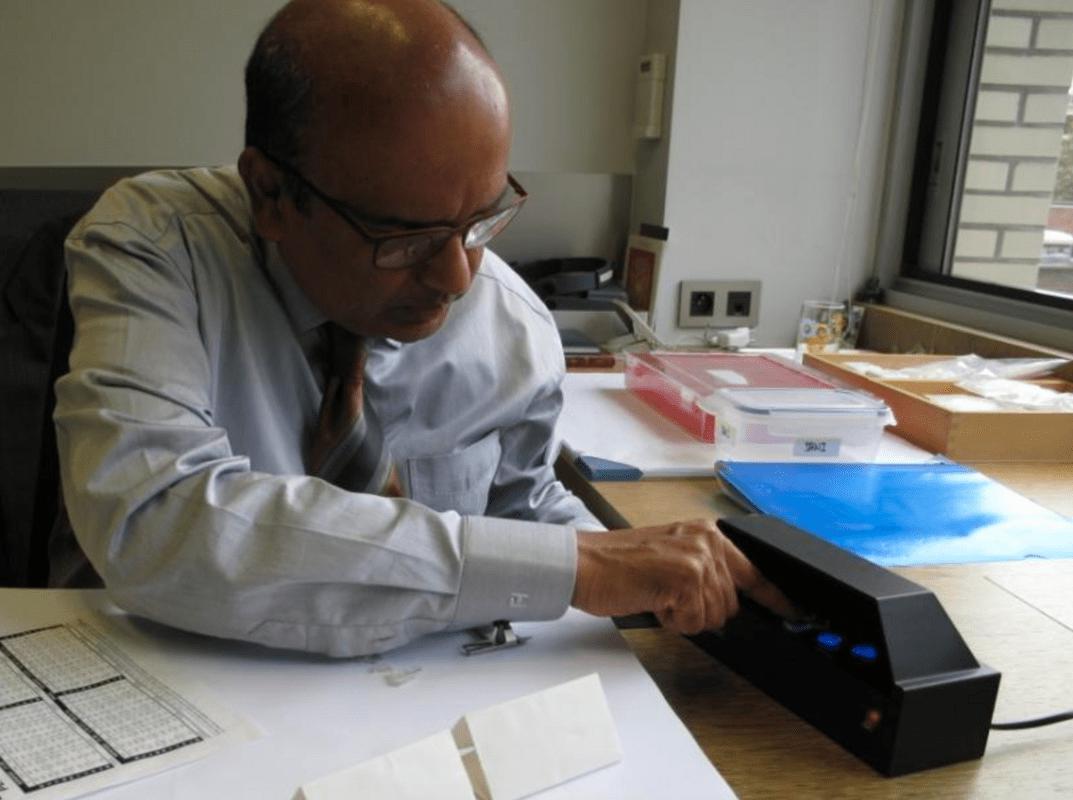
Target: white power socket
x,y
719,304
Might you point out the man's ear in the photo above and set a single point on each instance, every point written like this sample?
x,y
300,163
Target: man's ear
x,y
266,192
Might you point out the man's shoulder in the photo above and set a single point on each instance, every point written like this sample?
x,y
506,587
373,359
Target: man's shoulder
x,y
498,278
151,204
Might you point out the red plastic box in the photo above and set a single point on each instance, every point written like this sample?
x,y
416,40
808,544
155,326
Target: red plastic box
x,y
675,384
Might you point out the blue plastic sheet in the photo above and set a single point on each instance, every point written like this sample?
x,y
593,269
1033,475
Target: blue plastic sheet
x,y
903,514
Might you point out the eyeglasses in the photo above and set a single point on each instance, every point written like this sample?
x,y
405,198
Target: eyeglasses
x,y
401,250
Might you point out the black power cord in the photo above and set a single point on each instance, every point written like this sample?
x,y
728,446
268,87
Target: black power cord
x,y
1032,723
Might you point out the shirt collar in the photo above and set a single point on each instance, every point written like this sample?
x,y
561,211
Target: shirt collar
x,y
304,315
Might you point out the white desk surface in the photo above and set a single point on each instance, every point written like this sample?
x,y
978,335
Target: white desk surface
x,y
320,715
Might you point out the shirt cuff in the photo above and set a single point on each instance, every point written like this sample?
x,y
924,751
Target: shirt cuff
x,y
515,570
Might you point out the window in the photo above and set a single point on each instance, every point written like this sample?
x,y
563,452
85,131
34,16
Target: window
x,y
992,200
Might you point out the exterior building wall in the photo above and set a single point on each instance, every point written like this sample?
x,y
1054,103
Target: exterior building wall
x,y
1061,218
1016,138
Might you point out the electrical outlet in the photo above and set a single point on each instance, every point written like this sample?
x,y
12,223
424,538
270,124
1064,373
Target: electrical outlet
x,y
718,304
701,304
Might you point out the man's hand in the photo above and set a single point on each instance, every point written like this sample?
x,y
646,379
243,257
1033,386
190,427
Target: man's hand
x,y
688,574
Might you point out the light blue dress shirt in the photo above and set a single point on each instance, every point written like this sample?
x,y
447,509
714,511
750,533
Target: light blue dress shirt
x,y
183,422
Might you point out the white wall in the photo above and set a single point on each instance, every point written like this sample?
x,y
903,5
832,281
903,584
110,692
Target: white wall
x,y
568,214
113,83
132,82
570,67
767,101
124,82
753,175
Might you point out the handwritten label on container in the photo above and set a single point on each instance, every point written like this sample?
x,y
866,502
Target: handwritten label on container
x,y
726,433
817,448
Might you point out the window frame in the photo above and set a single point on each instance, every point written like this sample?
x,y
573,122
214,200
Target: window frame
x,y
945,43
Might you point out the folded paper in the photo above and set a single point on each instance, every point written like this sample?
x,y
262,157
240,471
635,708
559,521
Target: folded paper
x,y
431,767
524,746
505,752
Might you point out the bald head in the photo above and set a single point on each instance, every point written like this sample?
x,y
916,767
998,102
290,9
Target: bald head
x,y
362,69
369,121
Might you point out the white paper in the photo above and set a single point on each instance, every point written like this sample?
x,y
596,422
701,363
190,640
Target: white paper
x,y
77,714
321,715
602,418
431,767
540,740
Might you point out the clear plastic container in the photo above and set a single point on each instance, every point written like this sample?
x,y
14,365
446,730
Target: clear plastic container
x,y
797,424
676,384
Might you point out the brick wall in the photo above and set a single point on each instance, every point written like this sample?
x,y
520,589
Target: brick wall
x,y
1061,218
1016,136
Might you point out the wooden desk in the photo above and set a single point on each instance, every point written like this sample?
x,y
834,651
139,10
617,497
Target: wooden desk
x,y
1016,616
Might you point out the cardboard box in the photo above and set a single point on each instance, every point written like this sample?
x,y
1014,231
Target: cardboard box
x,y
964,436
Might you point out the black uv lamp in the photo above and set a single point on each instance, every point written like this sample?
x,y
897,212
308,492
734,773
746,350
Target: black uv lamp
x,y
877,665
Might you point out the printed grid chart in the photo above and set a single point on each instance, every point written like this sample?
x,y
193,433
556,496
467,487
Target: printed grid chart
x,y
69,708
133,724
14,688
39,747
58,659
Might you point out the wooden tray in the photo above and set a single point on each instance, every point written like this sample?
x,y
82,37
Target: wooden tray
x,y
961,435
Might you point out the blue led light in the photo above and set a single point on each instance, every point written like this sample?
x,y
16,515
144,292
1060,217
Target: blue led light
x,y
865,652
829,641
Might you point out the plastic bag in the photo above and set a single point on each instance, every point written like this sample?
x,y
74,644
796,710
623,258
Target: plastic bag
x,y
1018,394
963,367
965,403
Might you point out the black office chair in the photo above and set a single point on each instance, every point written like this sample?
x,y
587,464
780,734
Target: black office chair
x,y
35,341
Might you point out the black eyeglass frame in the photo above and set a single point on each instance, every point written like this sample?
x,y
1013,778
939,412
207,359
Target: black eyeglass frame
x,y
434,232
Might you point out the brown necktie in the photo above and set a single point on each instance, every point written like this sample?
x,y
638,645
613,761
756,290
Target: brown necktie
x,y
347,446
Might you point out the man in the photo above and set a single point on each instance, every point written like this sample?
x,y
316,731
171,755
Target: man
x,y
257,352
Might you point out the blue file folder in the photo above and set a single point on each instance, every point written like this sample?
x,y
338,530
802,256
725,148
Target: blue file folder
x,y
903,514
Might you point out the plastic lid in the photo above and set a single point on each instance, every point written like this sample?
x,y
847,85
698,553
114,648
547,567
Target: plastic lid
x,y
798,401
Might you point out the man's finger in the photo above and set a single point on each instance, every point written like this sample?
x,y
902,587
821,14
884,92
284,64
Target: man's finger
x,y
754,585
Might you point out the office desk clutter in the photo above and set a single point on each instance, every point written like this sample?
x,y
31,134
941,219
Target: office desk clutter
x,y
318,716
572,283
581,293
604,421
749,405
821,327
676,384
